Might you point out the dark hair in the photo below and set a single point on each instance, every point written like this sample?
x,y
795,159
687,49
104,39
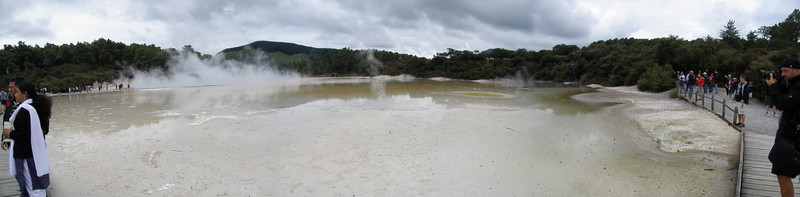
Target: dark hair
x,y
745,77
41,103
16,80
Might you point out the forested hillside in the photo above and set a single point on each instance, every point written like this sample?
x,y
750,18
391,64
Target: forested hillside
x,y
620,61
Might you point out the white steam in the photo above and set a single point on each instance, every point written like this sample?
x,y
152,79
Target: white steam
x,y
375,65
187,69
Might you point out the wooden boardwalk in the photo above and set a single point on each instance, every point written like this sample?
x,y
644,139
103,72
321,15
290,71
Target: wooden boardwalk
x,y
8,184
756,177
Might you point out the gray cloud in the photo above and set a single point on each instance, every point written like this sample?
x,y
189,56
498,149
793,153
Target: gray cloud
x,y
15,26
419,27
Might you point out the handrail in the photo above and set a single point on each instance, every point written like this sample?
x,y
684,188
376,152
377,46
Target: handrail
x,y
725,106
700,97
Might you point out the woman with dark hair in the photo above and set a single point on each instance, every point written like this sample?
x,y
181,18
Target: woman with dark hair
x,y
30,122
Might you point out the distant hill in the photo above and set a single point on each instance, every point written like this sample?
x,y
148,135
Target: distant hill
x,y
282,47
310,61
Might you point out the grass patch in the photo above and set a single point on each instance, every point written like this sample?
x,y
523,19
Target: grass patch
x,y
673,93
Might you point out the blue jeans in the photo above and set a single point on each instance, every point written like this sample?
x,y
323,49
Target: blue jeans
x,y
716,89
690,89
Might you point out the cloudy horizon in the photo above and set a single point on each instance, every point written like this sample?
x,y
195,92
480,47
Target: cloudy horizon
x,y
415,27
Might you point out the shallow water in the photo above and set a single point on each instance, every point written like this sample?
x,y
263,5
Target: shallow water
x,y
361,137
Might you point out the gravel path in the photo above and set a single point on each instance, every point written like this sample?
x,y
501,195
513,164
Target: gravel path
x,y
755,119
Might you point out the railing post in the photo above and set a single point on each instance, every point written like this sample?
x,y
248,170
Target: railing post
x,y
724,106
704,100
712,102
713,98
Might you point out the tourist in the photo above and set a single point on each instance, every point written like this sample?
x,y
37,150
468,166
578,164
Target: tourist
x,y
768,101
710,83
3,96
31,121
701,83
691,81
729,87
11,104
742,96
718,79
784,155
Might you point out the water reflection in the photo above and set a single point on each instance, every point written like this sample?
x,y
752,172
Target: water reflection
x,y
113,111
560,101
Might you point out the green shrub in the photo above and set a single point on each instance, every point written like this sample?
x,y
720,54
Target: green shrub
x,y
656,79
673,93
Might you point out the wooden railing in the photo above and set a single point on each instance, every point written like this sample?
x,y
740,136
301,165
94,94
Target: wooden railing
x,y
701,97
698,97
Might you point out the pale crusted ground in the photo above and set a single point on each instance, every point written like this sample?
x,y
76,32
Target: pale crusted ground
x,y
675,125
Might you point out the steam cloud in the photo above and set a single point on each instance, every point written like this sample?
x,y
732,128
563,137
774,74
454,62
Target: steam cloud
x,y
374,64
187,69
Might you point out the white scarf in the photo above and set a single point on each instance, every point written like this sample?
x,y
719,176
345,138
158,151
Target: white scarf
x,y
740,89
38,147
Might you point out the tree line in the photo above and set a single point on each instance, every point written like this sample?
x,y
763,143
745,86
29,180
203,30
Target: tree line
x,y
58,67
647,63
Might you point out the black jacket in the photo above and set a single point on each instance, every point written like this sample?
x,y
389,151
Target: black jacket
x,y
22,135
691,79
743,93
719,79
787,99
9,110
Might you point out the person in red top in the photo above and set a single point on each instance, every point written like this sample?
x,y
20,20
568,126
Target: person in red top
x,y
710,84
701,84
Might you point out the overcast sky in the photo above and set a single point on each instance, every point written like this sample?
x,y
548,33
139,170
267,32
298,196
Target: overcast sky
x,y
419,27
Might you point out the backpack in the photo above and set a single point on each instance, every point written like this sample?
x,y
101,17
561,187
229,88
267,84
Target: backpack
x,y
692,79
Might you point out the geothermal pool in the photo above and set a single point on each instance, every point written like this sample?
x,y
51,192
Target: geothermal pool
x,y
362,137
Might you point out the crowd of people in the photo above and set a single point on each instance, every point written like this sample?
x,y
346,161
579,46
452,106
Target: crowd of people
x,y
737,89
100,87
782,94
5,95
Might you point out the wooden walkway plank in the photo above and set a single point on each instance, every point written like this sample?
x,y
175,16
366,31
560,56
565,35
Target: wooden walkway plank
x,y
8,184
757,179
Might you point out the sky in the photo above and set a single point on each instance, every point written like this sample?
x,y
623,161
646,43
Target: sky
x,y
417,27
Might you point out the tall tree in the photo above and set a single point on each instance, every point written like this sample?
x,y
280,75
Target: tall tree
x,y
730,35
667,49
788,30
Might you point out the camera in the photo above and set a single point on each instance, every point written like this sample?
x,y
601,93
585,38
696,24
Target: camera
x,y
775,74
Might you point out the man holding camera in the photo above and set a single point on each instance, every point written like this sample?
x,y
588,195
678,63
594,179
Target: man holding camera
x,y
784,154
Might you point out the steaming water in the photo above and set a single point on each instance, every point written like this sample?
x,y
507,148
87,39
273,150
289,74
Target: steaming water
x,y
362,137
